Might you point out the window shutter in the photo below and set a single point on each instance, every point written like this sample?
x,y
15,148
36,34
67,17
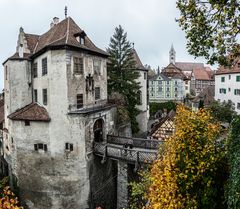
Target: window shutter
x,y
235,91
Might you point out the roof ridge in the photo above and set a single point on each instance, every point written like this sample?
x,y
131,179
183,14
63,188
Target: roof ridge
x,y
67,32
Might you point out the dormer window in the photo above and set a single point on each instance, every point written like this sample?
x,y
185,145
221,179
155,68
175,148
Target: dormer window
x,y
80,37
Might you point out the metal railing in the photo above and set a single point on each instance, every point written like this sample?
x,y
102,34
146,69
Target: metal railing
x,y
135,142
129,155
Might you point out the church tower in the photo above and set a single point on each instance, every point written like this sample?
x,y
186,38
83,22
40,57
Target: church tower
x,y
172,55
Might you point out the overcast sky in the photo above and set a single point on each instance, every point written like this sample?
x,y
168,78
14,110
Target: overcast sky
x,y
150,24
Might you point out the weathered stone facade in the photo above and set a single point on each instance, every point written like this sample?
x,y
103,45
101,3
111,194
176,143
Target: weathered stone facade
x,y
52,160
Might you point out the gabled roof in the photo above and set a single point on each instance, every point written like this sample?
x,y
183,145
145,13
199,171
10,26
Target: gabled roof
x,y
165,78
173,71
207,96
61,35
139,64
202,74
188,66
1,111
31,112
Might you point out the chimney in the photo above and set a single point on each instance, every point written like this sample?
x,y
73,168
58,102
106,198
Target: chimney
x,y
54,22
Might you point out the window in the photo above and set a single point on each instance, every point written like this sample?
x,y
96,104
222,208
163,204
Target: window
x,y
238,106
160,89
186,82
78,65
97,93
229,89
175,89
97,66
229,77
168,89
239,65
81,40
35,70
222,79
168,95
186,87
145,75
6,73
139,97
176,95
79,101
44,95
40,146
69,147
168,82
152,89
176,83
27,123
160,82
44,66
222,91
236,91
35,95
238,78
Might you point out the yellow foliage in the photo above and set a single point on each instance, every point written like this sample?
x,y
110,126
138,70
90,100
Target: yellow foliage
x,y
9,200
188,155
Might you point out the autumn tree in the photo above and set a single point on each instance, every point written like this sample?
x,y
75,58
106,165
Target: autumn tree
x,y
122,74
8,199
233,191
212,28
184,176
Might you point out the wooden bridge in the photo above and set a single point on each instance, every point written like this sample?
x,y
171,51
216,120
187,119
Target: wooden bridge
x,y
132,150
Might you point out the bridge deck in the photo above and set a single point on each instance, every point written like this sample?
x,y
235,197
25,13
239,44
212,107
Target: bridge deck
x,y
143,150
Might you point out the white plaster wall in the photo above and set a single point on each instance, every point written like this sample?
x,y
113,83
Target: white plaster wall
x,y
229,84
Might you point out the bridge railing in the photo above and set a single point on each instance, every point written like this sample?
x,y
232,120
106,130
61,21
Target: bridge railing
x,y
130,155
136,142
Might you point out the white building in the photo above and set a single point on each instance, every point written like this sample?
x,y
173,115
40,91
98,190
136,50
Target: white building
x,y
227,85
143,116
55,107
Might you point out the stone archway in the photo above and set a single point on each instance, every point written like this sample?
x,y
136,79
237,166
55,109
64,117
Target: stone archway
x,y
98,130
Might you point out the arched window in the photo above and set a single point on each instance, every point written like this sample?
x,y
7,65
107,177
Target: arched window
x,y
98,130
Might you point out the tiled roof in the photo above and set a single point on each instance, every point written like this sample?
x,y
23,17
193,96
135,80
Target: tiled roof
x,y
173,71
64,33
1,111
202,74
60,35
207,95
139,64
229,70
31,112
189,66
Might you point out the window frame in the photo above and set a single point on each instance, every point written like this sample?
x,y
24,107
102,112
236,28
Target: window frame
x,y
44,66
44,96
78,103
78,65
35,70
97,93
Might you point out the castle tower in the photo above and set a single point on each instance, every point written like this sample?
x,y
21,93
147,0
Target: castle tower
x,y
172,55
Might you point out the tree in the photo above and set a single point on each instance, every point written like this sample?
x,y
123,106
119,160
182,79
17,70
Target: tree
x,y
122,74
233,192
8,200
211,28
183,177
222,112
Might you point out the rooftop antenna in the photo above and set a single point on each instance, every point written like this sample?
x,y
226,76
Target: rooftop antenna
x,y
65,11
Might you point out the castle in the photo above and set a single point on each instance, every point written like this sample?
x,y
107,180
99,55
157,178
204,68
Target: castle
x,y
55,107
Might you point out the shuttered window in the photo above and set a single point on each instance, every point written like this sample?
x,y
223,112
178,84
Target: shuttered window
x,y
44,66
35,70
97,93
44,94
78,65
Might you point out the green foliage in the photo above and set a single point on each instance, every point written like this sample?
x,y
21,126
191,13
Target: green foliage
x,y
122,74
211,28
154,107
233,192
223,112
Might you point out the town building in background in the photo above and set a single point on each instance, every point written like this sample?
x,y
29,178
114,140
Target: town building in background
x,y
227,84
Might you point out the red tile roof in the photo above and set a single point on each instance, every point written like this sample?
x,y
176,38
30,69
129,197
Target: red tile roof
x,y
188,66
139,64
31,112
202,74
